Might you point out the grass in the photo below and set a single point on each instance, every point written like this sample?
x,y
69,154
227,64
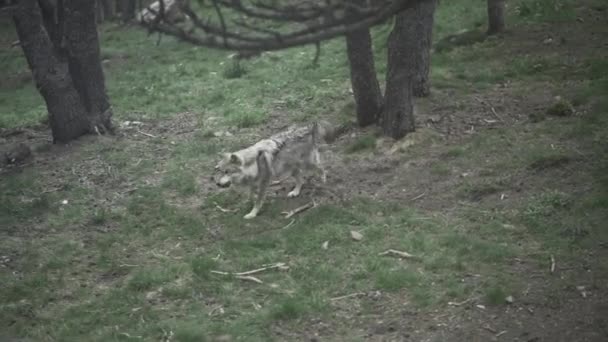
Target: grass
x,y
118,240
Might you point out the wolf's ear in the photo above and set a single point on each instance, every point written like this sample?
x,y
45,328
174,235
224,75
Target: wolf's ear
x,y
234,159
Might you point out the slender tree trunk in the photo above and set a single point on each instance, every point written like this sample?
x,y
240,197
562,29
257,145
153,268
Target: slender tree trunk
x,y
419,41
366,90
496,16
398,112
85,62
51,74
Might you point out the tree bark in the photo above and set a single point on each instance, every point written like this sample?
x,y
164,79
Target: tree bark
x,y
419,40
398,112
69,116
366,90
85,62
496,16
128,10
50,73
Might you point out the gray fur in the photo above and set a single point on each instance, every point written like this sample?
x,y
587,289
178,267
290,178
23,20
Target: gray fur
x,y
286,154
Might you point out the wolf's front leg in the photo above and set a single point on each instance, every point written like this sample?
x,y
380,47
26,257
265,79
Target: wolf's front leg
x,y
260,193
299,182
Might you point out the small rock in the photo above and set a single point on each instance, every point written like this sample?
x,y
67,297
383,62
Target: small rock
x,y
356,235
482,307
509,299
325,245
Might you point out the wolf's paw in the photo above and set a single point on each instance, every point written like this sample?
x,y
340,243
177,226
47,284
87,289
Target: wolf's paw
x,y
293,193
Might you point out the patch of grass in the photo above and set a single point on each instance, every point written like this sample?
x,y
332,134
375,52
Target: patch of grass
x,y
246,119
362,143
289,308
476,191
234,70
495,295
545,10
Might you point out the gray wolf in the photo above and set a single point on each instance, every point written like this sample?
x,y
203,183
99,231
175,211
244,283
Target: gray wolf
x,y
286,154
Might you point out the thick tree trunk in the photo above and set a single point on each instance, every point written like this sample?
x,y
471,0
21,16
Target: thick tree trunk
x,y
398,112
109,9
69,76
366,89
51,74
85,62
496,16
419,40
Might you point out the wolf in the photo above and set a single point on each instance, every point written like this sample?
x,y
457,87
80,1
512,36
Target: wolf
x,y
289,153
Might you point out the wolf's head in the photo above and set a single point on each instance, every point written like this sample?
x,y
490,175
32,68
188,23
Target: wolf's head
x,y
229,170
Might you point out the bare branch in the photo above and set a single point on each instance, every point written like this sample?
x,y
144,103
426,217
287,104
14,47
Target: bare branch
x,y
322,20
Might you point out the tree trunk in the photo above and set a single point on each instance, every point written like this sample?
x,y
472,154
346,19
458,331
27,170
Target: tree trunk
x,y
74,95
420,39
398,111
366,89
51,74
128,10
108,9
85,62
496,16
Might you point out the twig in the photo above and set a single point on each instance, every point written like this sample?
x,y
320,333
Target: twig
x,y
127,265
419,196
278,265
289,224
147,134
496,114
251,278
552,263
500,333
460,303
397,253
356,294
289,214
490,329
224,210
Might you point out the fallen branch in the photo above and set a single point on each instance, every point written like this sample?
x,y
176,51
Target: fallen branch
x,y
490,329
500,333
289,214
289,224
401,254
147,134
224,210
356,294
419,196
460,303
251,278
279,265
552,263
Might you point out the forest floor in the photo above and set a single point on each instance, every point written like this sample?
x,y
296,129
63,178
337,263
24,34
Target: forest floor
x,y
501,195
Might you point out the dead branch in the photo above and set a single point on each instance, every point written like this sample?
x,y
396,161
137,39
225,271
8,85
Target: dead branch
x,y
313,22
289,214
419,196
147,134
460,303
224,210
279,265
289,224
250,278
552,263
397,253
